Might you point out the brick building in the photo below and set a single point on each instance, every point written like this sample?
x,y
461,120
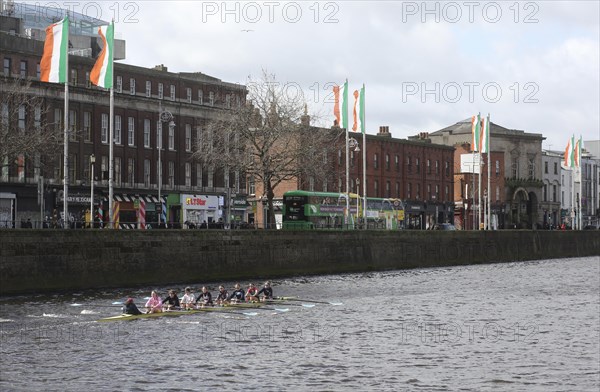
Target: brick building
x,y
190,192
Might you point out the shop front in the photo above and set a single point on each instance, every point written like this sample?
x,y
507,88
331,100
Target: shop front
x,y
415,214
199,210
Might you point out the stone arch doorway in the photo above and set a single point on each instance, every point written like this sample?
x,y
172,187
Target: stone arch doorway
x,y
532,210
520,209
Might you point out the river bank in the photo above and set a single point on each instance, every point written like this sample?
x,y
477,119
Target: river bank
x,y
56,260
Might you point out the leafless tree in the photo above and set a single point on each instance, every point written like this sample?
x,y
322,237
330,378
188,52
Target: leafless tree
x,y
269,139
25,135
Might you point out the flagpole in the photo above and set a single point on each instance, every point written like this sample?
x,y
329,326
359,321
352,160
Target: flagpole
x,y
479,179
66,145
111,119
346,215
489,152
364,119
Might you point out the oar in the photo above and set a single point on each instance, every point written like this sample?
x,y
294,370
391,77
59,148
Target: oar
x,y
99,305
308,300
288,304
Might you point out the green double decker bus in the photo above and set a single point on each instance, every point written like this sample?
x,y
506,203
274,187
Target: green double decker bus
x,y
304,210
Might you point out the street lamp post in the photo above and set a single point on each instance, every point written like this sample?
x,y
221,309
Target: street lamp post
x,y
92,161
164,117
351,143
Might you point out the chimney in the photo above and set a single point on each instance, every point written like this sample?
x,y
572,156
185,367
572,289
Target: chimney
x,y
384,131
160,67
305,119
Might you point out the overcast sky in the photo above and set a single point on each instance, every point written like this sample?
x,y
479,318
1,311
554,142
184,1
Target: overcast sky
x,y
533,65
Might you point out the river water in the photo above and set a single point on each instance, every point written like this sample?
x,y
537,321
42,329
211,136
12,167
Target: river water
x,y
529,326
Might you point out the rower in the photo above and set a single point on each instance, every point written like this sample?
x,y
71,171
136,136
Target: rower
x,y
172,301
188,299
222,297
238,295
130,307
154,304
251,293
205,298
267,292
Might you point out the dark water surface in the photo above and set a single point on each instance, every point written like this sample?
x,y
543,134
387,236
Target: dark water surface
x,y
531,326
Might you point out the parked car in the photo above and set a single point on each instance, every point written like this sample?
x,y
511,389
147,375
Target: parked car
x,y
444,226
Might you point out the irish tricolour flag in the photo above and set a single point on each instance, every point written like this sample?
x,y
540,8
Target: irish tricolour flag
x,y
102,73
340,108
476,132
359,110
569,156
53,67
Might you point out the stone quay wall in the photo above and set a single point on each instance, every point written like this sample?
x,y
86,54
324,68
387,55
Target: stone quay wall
x,y
62,260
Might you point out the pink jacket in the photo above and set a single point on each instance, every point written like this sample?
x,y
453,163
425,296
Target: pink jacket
x,y
154,302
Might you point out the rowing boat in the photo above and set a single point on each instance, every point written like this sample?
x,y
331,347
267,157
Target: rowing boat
x,y
171,313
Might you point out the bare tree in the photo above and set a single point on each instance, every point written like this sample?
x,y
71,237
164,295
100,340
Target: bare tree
x,y
25,134
269,139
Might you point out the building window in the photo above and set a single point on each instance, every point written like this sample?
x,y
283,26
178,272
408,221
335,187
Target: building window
x,y
200,96
339,157
388,189
130,131
104,128
58,120
117,130
376,188
38,70
545,193
437,192
132,86
160,91
188,92
397,162
554,192
387,161
408,190
555,168
188,137
418,191
147,173
531,168
418,165
72,168
87,126
447,169
497,168
119,87
211,98
131,171
198,175
515,167
73,77
72,125
7,66
148,88
447,193
171,174
398,190
171,138
159,134
37,117
23,69
188,174
408,164
21,118
172,92
429,166
546,167
429,192
437,167
117,174
147,133
352,158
